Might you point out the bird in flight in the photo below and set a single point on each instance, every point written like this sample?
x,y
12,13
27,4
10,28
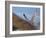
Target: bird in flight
x,y
25,17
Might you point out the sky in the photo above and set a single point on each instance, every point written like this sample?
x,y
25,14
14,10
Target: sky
x,y
28,11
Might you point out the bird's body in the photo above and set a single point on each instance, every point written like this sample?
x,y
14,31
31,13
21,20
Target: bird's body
x,y
25,17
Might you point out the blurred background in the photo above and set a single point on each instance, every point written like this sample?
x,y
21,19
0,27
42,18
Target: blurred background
x,y
30,16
